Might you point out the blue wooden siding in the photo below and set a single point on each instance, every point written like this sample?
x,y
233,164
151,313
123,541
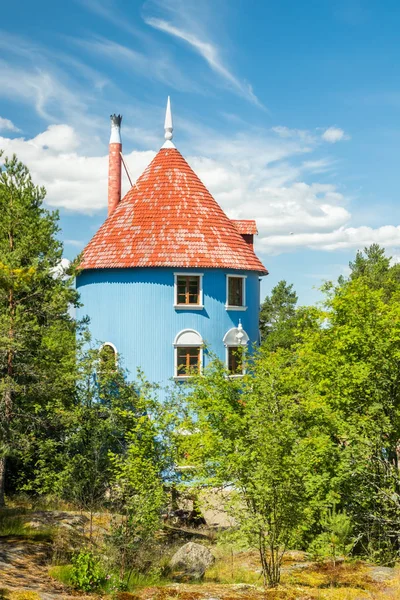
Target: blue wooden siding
x,y
133,309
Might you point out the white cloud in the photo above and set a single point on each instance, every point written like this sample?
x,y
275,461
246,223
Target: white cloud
x,y
210,53
60,271
60,138
196,23
73,181
286,132
7,125
57,87
341,238
334,134
255,174
108,10
151,65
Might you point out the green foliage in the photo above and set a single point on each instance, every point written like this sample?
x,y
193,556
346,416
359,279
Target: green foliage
x,y
314,423
278,316
372,264
336,537
251,433
37,333
352,363
87,573
62,573
15,525
138,494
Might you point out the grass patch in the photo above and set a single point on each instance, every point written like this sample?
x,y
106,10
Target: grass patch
x,y
326,575
24,595
13,524
26,503
142,580
223,572
61,573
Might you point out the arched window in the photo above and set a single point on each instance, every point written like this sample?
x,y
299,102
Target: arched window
x,y
236,340
188,352
108,356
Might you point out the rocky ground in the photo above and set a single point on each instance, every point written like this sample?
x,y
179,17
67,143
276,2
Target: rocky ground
x,y
24,572
24,563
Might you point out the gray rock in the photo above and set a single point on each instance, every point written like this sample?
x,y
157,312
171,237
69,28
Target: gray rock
x,y
191,561
381,574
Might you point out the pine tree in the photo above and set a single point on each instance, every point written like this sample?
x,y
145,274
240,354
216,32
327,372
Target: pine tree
x,y
278,315
372,264
37,332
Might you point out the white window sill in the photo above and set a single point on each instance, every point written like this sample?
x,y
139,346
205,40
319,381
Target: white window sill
x,y
183,377
237,376
228,307
188,306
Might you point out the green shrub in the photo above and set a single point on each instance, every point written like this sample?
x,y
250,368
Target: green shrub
x,y
336,539
87,573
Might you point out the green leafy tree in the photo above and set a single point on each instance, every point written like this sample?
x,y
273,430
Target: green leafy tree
x,y
278,316
112,451
138,494
250,435
353,364
37,332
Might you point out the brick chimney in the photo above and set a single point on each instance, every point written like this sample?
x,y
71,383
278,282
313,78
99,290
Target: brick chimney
x,y
114,164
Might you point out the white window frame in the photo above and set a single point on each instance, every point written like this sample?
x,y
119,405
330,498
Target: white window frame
x,y
177,306
228,306
177,345
234,375
113,347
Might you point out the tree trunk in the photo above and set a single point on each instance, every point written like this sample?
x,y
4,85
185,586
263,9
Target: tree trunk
x,y
2,480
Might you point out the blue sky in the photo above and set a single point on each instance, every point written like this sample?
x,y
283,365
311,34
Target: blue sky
x,y
288,111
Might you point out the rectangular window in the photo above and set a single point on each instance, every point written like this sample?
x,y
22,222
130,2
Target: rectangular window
x,y
188,290
235,360
188,360
236,293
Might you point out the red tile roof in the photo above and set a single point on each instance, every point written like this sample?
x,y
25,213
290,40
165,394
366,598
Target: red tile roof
x,y
245,227
169,219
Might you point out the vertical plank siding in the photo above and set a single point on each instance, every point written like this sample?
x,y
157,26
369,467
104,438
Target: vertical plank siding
x,y
134,310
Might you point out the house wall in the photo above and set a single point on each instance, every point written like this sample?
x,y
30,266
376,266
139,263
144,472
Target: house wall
x,y
134,310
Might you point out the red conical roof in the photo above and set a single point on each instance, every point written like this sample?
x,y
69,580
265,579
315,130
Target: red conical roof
x,y
169,219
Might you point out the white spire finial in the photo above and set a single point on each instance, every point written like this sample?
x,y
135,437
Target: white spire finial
x,y
168,126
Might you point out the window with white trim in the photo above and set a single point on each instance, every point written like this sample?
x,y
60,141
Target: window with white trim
x,y
188,351
108,354
235,360
188,290
235,292
236,340
108,359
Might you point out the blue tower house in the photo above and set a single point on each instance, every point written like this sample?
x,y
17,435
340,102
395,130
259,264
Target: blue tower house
x,y
168,276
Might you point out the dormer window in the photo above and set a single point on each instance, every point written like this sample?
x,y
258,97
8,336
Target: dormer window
x,y
188,291
235,292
